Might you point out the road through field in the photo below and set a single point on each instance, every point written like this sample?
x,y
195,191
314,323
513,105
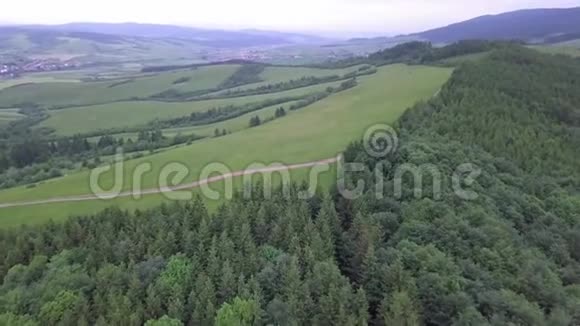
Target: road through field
x,y
153,191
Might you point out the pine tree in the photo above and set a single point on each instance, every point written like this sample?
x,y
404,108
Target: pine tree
x,y
239,312
154,305
175,308
360,307
372,279
227,283
203,300
400,309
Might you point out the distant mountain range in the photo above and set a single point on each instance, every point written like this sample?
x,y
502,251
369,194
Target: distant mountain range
x,y
134,42
203,37
95,43
532,25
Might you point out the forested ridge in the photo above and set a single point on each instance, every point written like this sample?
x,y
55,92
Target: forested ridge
x,y
419,52
509,257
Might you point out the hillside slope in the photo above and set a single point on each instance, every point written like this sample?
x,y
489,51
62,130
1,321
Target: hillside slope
x,y
505,254
90,47
528,25
130,42
201,36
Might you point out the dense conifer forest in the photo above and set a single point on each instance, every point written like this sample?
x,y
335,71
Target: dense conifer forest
x,y
511,256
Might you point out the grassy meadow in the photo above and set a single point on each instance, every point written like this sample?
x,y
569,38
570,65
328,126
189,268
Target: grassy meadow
x,y
454,61
59,94
9,115
8,83
316,132
232,125
572,49
274,74
134,113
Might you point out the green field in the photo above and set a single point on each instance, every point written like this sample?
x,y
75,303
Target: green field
x,y
9,115
232,125
14,217
454,61
50,91
67,94
104,50
112,71
6,83
113,104
571,49
572,43
273,75
134,113
317,132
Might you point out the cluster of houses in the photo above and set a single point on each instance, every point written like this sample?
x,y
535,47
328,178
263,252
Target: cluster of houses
x,y
9,71
244,54
48,65
13,70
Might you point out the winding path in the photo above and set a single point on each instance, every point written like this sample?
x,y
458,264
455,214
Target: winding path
x,y
153,191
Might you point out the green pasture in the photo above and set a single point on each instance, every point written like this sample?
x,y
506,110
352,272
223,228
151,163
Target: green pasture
x,y
55,94
571,49
232,125
7,83
454,61
320,131
9,115
135,113
14,216
89,51
572,43
113,71
274,75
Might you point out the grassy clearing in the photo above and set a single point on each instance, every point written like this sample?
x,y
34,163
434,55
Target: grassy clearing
x,y
273,75
16,216
566,49
60,56
113,71
88,93
128,114
9,115
571,43
33,80
114,50
455,61
288,73
320,131
232,125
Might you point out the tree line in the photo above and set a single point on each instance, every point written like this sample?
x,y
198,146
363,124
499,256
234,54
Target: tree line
x,y
418,52
34,159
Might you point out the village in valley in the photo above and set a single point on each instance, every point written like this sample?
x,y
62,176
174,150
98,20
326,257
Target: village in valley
x,y
15,69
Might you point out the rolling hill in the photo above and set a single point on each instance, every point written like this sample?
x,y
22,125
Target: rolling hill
x,y
94,43
205,37
39,43
533,25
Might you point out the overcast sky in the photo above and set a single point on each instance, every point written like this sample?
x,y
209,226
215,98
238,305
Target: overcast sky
x,y
352,16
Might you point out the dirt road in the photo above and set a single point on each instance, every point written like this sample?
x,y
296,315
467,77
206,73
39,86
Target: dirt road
x,y
153,191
